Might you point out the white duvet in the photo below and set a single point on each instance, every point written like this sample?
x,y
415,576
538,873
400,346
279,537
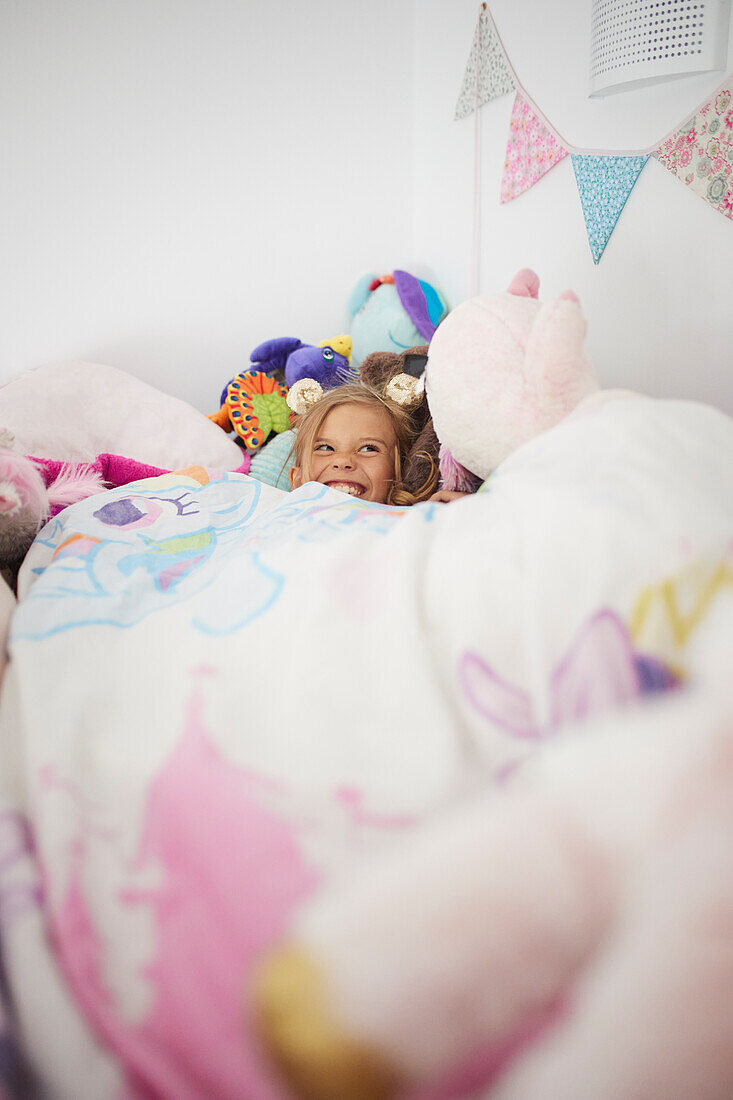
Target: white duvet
x,y
220,695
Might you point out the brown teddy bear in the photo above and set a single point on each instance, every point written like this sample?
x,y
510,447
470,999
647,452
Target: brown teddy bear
x,y
376,371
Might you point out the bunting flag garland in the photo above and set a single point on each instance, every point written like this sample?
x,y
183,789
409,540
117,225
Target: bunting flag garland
x,y
604,185
532,149
700,153
488,73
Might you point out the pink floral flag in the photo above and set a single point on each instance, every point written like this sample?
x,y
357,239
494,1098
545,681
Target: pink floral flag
x,y
532,149
700,153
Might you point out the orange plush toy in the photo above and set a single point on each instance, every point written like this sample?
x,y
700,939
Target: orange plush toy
x,y
253,405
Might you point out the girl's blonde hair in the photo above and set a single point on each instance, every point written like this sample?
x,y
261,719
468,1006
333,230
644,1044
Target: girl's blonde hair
x,y
308,426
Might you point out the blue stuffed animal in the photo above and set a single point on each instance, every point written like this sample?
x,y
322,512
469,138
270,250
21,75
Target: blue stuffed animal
x,y
329,362
392,313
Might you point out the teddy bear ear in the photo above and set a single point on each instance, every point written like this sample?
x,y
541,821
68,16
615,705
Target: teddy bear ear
x,y
404,389
525,284
414,360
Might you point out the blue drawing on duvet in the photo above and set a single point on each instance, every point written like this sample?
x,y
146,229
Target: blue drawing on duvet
x,y
143,549
320,513
168,561
141,553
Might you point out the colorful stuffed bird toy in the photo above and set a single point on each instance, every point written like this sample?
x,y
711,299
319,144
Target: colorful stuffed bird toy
x,y
253,405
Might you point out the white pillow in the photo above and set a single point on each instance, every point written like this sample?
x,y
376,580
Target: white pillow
x,y
74,411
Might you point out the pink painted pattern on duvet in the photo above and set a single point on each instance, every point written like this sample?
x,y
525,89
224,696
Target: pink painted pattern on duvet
x,y
233,872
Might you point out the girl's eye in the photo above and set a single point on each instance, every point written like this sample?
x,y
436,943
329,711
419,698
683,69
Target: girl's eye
x,y
322,447
370,447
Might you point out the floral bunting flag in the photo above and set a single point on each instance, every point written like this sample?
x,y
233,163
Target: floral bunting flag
x,y
532,150
604,185
700,153
486,64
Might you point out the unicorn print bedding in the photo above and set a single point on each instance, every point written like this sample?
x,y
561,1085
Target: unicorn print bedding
x,y
221,697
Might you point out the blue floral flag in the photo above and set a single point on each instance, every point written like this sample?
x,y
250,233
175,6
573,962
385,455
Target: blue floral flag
x,y
604,185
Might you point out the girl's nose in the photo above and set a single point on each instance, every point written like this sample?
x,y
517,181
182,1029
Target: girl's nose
x,y
342,461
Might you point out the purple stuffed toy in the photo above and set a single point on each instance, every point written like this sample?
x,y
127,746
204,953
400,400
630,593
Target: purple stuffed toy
x,y
328,363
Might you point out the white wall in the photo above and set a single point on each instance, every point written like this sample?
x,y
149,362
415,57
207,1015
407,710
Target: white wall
x,y
182,179
659,302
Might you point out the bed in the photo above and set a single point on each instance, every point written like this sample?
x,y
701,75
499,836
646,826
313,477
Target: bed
x,y
220,697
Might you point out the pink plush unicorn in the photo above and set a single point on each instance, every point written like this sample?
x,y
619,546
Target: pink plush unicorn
x,y
26,502
501,369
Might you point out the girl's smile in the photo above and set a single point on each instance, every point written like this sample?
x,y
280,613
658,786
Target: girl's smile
x,y
354,452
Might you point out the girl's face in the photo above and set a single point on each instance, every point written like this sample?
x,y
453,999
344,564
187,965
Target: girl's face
x,y
354,451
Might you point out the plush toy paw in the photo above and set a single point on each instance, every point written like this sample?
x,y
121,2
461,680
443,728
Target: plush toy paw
x,y
298,1026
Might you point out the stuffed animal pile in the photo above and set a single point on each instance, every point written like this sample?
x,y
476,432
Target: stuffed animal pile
x,y
253,405
388,314
518,361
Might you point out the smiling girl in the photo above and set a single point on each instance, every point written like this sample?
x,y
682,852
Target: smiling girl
x,y
356,441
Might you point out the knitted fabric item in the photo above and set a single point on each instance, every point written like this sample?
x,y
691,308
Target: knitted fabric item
x,y
272,463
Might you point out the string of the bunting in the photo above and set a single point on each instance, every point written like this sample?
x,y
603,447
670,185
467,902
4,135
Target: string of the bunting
x,y
699,152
